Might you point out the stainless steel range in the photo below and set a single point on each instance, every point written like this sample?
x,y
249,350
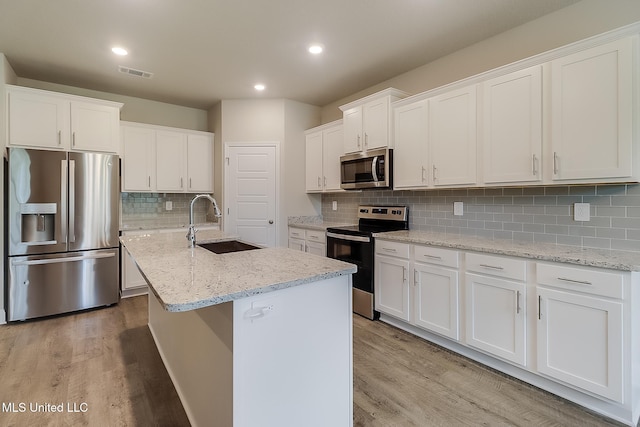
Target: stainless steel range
x,y
355,244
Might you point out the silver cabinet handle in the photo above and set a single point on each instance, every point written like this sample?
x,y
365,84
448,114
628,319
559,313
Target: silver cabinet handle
x,y
181,182
73,139
539,307
434,173
439,258
59,137
415,277
324,182
366,139
149,181
319,183
577,282
517,302
423,171
393,251
404,274
555,163
358,140
492,267
190,185
535,168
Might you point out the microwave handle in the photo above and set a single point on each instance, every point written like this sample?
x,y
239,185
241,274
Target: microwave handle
x,y
374,168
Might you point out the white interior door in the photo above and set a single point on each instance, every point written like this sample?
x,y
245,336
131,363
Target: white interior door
x,y
250,193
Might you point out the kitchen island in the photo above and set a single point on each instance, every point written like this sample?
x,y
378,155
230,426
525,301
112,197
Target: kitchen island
x,y
256,337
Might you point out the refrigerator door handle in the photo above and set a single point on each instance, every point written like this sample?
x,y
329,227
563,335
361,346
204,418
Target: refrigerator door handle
x,y
62,259
64,179
72,201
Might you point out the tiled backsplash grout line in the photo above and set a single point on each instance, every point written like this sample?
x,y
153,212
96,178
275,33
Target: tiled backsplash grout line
x,y
536,214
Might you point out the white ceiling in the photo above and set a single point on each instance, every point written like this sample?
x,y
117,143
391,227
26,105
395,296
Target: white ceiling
x,y
201,51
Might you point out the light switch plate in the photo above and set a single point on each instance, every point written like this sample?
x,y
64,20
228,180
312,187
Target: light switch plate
x,y
458,208
334,205
582,212
168,205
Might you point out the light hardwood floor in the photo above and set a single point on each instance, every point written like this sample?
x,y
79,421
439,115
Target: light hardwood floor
x,y
106,359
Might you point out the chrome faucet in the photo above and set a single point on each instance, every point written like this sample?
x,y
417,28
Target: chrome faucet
x,y
191,234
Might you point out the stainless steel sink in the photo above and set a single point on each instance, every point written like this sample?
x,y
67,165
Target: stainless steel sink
x,y
227,246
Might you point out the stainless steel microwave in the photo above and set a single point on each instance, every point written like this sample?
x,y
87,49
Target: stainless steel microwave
x,y
369,169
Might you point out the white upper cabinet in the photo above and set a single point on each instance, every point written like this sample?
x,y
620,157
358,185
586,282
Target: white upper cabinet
x,y
138,159
367,121
323,146
452,137
171,159
199,163
163,159
55,121
94,127
512,127
592,95
410,155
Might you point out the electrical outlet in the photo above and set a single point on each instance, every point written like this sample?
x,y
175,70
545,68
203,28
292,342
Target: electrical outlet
x,y
581,212
168,205
334,205
458,208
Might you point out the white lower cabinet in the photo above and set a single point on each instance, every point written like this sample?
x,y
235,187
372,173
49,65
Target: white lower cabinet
x,y
435,279
391,284
132,283
571,330
307,240
580,336
495,306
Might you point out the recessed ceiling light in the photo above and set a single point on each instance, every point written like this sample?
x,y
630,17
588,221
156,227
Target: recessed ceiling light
x,y
316,49
259,86
119,51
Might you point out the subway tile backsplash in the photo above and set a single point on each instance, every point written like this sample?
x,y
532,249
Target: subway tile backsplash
x,y
151,207
535,214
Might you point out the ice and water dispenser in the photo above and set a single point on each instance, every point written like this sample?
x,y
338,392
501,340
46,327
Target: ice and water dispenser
x,y
38,223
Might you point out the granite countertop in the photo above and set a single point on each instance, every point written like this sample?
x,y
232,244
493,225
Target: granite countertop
x,y
314,223
156,225
185,278
616,260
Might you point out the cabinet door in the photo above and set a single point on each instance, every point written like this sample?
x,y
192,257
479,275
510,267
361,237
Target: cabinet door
x,y
580,341
452,137
410,161
316,248
375,124
199,164
436,299
297,244
138,159
495,321
332,146
392,287
313,162
512,118
38,120
94,127
352,122
592,113
170,161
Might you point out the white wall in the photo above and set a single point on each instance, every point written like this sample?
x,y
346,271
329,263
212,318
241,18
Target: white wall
x,y
8,76
135,109
573,23
281,120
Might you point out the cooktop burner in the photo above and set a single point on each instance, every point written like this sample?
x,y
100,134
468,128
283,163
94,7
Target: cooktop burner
x,y
376,219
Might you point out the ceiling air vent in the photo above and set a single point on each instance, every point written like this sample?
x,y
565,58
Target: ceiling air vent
x,y
134,72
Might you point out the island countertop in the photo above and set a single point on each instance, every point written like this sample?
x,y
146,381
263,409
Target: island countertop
x,y
185,278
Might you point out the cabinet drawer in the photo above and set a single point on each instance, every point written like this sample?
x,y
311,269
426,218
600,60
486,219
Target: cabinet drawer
x,y
581,279
296,233
315,236
439,256
400,250
497,266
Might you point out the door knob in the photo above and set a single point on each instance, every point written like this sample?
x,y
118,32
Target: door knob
x,y
270,221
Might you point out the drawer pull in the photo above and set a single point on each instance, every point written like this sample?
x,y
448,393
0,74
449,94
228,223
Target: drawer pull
x,y
517,302
578,282
389,250
539,307
491,267
433,257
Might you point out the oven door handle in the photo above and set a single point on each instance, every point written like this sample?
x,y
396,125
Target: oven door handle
x,y
349,237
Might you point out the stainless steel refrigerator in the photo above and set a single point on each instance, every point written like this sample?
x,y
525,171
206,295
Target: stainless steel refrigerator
x,y
63,226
